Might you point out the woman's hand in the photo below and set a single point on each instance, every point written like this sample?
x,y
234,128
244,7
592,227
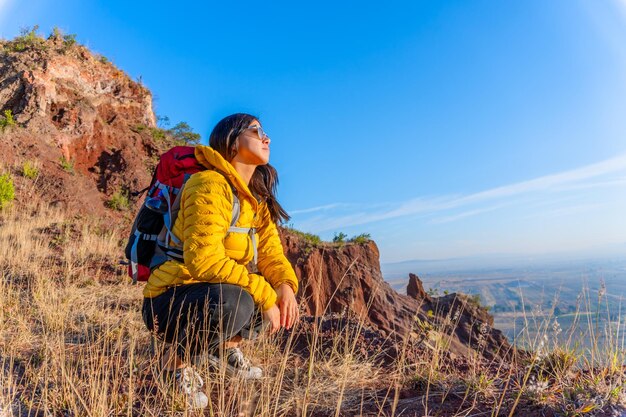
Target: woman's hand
x,y
272,316
288,306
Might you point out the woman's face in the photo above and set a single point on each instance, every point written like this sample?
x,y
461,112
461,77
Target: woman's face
x,y
253,145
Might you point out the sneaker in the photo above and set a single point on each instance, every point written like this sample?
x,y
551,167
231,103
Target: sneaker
x,y
236,365
189,383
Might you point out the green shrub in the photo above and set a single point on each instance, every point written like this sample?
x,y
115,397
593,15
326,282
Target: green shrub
x,y
7,190
30,170
7,120
340,237
28,39
558,363
183,135
311,239
67,165
158,134
56,33
477,301
362,238
138,128
179,135
119,201
69,40
314,240
103,59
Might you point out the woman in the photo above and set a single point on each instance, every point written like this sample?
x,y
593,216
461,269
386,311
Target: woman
x,y
206,305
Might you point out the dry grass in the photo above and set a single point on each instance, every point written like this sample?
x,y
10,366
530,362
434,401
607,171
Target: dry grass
x,y
72,343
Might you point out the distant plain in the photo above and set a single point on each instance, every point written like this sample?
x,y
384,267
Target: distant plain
x,y
579,301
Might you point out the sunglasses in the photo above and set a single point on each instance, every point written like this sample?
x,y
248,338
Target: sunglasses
x,y
262,136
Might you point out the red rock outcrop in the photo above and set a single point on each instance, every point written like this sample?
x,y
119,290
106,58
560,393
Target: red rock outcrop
x,y
415,289
346,279
339,278
81,118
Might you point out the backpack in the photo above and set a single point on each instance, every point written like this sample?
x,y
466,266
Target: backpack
x,y
148,244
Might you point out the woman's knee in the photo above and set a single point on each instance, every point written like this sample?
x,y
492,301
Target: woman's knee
x,y
236,302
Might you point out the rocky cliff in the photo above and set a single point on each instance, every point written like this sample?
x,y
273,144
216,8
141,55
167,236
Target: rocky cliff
x,y
83,120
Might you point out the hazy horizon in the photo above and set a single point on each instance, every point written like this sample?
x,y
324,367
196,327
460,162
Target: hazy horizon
x,y
398,271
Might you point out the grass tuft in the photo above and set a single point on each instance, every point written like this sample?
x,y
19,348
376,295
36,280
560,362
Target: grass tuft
x,y
119,201
361,239
7,120
30,170
67,165
7,190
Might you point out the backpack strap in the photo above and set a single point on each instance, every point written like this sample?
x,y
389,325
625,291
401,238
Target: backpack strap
x,y
236,212
167,216
134,258
249,230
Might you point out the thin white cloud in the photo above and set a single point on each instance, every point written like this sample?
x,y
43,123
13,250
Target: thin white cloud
x,y
412,207
550,182
455,217
319,208
586,177
608,183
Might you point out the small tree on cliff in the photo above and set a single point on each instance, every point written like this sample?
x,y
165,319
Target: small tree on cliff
x,y
183,134
340,237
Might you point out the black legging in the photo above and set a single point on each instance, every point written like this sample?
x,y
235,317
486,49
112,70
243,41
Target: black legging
x,y
197,317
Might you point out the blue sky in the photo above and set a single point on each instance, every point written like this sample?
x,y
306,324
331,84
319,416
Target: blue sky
x,y
444,129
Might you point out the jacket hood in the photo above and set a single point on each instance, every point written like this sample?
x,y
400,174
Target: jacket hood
x,y
211,159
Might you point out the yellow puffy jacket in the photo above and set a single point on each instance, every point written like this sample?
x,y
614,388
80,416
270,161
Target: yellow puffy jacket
x,y
213,255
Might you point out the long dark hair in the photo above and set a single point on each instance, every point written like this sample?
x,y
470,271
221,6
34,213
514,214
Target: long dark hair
x,y
265,178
